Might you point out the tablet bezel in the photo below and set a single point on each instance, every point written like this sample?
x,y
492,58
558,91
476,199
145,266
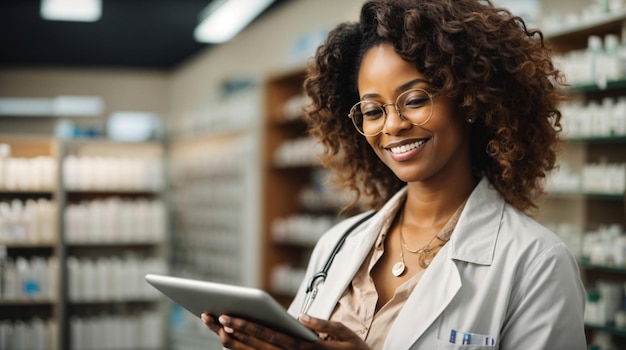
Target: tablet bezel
x,y
249,303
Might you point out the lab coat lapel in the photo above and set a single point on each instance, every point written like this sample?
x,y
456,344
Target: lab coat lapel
x,y
352,255
344,267
438,286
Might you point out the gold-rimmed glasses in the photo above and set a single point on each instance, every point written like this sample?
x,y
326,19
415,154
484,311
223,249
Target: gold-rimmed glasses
x,y
414,106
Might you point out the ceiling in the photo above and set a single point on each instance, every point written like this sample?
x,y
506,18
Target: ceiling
x,y
154,34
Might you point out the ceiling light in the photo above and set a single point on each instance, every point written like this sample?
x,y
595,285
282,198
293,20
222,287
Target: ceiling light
x,y
221,20
71,10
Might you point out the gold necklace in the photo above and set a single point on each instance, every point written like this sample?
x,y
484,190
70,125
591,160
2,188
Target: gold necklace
x,y
426,253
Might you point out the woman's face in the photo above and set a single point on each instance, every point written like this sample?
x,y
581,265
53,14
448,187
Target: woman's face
x,y
438,149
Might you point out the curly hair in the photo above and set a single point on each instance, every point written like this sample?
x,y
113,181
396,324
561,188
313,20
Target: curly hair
x,y
500,71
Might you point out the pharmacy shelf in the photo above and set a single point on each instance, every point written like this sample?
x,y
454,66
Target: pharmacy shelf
x,y
588,195
613,269
27,302
593,87
606,22
28,245
597,139
621,332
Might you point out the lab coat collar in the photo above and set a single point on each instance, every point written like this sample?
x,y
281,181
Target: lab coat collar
x,y
474,237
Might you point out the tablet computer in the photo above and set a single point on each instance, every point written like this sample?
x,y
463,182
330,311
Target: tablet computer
x,y
248,303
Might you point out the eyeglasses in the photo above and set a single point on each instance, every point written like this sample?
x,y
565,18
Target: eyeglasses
x,y
414,106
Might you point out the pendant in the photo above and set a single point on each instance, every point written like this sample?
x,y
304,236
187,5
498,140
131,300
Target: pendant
x,y
398,269
426,258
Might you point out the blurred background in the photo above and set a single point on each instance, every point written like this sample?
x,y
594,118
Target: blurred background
x,y
137,136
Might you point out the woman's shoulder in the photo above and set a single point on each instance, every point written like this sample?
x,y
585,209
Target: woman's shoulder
x,y
523,235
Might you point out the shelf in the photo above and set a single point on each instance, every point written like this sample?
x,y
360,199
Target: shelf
x,y
606,22
26,302
113,192
26,192
590,195
27,245
613,269
621,332
113,244
593,87
114,301
597,139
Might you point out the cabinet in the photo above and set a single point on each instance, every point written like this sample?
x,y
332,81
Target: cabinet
x,y
587,194
299,204
81,223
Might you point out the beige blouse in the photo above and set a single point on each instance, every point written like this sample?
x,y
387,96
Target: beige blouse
x,y
356,307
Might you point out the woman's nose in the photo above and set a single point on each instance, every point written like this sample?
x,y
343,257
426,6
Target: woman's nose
x,y
394,123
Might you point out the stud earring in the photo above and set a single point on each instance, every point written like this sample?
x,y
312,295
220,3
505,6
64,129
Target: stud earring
x,y
470,120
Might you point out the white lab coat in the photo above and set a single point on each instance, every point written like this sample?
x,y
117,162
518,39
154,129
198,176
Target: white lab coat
x,y
501,274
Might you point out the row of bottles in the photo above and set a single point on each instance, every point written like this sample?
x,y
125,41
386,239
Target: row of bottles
x,y
112,173
26,174
35,334
24,278
28,221
605,178
116,220
112,278
606,118
117,332
603,60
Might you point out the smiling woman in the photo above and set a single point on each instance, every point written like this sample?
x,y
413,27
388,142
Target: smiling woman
x,y
452,125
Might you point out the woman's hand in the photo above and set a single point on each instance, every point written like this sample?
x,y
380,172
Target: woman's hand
x,y
236,333
333,335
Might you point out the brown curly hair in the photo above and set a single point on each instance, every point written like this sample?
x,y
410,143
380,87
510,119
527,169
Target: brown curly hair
x,y
500,71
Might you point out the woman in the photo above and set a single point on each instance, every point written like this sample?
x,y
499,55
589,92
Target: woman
x,y
441,115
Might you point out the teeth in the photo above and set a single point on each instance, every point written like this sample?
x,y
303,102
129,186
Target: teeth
x,y
406,148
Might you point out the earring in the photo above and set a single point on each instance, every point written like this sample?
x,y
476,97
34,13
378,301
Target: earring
x,y
470,120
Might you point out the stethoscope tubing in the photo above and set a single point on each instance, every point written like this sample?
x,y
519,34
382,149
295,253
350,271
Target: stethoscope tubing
x,y
320,276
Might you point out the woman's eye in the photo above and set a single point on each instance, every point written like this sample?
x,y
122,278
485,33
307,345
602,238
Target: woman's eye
x,y
416,101
372,113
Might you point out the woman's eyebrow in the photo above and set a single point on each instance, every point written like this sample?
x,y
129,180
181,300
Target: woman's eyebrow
x,y
409,84
400,88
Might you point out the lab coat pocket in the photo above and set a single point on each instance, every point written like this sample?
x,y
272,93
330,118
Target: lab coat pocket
x,y
446,345
464,340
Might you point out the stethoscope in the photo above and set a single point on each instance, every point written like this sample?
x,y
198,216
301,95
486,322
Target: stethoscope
x,y
320,277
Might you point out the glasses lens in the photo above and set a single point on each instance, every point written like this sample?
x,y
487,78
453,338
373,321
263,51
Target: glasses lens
x,y
368,117
415,106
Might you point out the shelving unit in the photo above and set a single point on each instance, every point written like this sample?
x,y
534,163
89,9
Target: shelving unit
x,y
42,251
299,205
215,206
588,192
114,224
31,307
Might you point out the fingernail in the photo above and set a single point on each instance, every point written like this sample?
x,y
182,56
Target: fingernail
x,y
204,317
229,330
305,317
224,320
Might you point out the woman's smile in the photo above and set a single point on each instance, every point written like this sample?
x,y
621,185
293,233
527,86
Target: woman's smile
x,y
403,151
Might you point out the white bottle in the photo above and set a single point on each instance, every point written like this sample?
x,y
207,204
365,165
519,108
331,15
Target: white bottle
x,y
5,153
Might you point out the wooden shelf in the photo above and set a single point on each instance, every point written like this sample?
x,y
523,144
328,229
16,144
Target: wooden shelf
x,y
27,302
574,37
620,332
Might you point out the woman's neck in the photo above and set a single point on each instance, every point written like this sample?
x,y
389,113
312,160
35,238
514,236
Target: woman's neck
x,y
432,203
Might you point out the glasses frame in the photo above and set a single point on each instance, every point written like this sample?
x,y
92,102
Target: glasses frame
x,y
383,107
